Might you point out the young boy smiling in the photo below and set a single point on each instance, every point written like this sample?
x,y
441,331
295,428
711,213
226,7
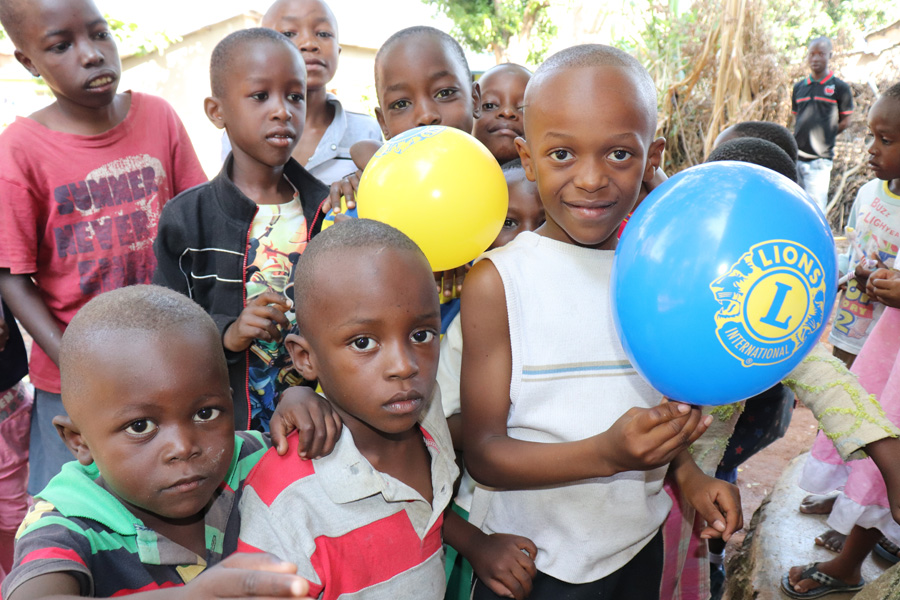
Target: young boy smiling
x,y
232,244
500,123
367,518
554,416
152,499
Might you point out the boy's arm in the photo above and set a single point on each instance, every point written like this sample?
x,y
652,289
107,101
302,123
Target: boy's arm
x,y
22,296
641,439
718,502
503,562
238,576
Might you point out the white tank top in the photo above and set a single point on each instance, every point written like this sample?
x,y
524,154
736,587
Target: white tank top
x,y
570,380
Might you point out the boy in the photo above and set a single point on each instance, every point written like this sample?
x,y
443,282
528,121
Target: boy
x,y
367,518
822,105
152,499
764,130
232,244
500,123
554,417
756,151
82,187
329,131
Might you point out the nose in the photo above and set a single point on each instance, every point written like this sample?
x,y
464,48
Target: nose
x,y
401,362
90,55
181,444
591,176
308,42
281,111
508,111
427,114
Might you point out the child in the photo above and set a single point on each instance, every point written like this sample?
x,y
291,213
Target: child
x,y
82,187
367,518
150,502
863,511
756,151
329,131
822,105
15,417
554,418
500,123
233,243
525,213
764,130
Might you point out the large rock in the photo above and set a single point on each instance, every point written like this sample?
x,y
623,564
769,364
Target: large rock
x,y
780,536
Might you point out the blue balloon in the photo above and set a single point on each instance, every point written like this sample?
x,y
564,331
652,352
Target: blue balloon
x,y
722,282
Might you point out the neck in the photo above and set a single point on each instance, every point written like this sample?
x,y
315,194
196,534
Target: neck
x,y
553,231
259,182
894,186
820,75
318,112
378,446
69,117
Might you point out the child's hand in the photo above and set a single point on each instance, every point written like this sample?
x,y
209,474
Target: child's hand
x,y
450,282
884,286
862,274
247,576
718,502
4,334
316,422
505,564
260,319
346,187
647,438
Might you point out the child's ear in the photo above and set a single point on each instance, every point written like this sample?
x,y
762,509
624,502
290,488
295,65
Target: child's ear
x,y
26,62
72,438
213,108
299,349
476,98
525,157
379,116
654,158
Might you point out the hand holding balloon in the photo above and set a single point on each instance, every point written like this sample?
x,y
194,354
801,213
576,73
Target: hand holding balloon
x,y
647,438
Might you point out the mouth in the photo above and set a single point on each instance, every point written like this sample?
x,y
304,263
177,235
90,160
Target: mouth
x,y
281,138
314,62
590,210
505,130
101,81
188,484
404,403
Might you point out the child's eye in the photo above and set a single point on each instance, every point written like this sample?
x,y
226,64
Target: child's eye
x,y
102,35
446,93
510,224
207,414
423,336
60,47
141,427
295,97
325,34
560,155
489,106
260,96
399,104
619,155
363,343
289,34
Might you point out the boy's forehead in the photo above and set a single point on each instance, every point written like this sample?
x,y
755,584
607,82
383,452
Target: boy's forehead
x,y
297,11
409,55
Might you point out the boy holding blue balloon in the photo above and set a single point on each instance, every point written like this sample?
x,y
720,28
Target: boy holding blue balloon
x,y
555,419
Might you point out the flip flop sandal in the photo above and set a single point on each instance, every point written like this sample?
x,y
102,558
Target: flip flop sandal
x,y
888,550
828,584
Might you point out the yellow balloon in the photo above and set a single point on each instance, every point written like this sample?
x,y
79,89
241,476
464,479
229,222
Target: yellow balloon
x,y
442,188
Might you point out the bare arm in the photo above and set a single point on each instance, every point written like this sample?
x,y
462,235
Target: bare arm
x,y
22,296
843,122
640,439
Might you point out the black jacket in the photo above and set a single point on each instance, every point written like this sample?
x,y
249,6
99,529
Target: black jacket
x,y
201,251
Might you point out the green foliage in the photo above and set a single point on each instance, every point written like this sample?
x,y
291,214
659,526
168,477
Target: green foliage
x,y
492,25
842,20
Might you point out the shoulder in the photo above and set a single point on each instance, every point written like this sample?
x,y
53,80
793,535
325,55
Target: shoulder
x,y
273,474
365,125
189,201
149,104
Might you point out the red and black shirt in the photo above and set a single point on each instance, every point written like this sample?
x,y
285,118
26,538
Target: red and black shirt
x,y
818,106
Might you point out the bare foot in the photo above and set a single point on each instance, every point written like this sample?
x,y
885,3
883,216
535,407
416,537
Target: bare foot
x,y
832,540
817,504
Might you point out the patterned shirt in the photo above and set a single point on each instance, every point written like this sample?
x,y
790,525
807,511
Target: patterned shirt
x,y
79,528
353,531
818,106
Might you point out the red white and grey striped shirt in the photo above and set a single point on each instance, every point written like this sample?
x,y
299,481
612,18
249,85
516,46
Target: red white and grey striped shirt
x,y
354,532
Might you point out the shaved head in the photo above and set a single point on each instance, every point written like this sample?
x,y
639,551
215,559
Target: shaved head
x,y
590,56
12,15
226,51
119,316
359,236
291,9
420,31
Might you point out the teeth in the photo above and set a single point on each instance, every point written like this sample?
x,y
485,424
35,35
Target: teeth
x,y
100,82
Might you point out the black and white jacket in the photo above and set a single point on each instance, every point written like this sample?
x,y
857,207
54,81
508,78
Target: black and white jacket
x,y
201,251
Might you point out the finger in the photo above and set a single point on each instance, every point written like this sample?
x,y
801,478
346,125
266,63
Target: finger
x,y
498,588
276,300
460,275
242,583
523,543
447,283
313,434
275,314
332,433
279,429
258,561
334,198
350,195
525,579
